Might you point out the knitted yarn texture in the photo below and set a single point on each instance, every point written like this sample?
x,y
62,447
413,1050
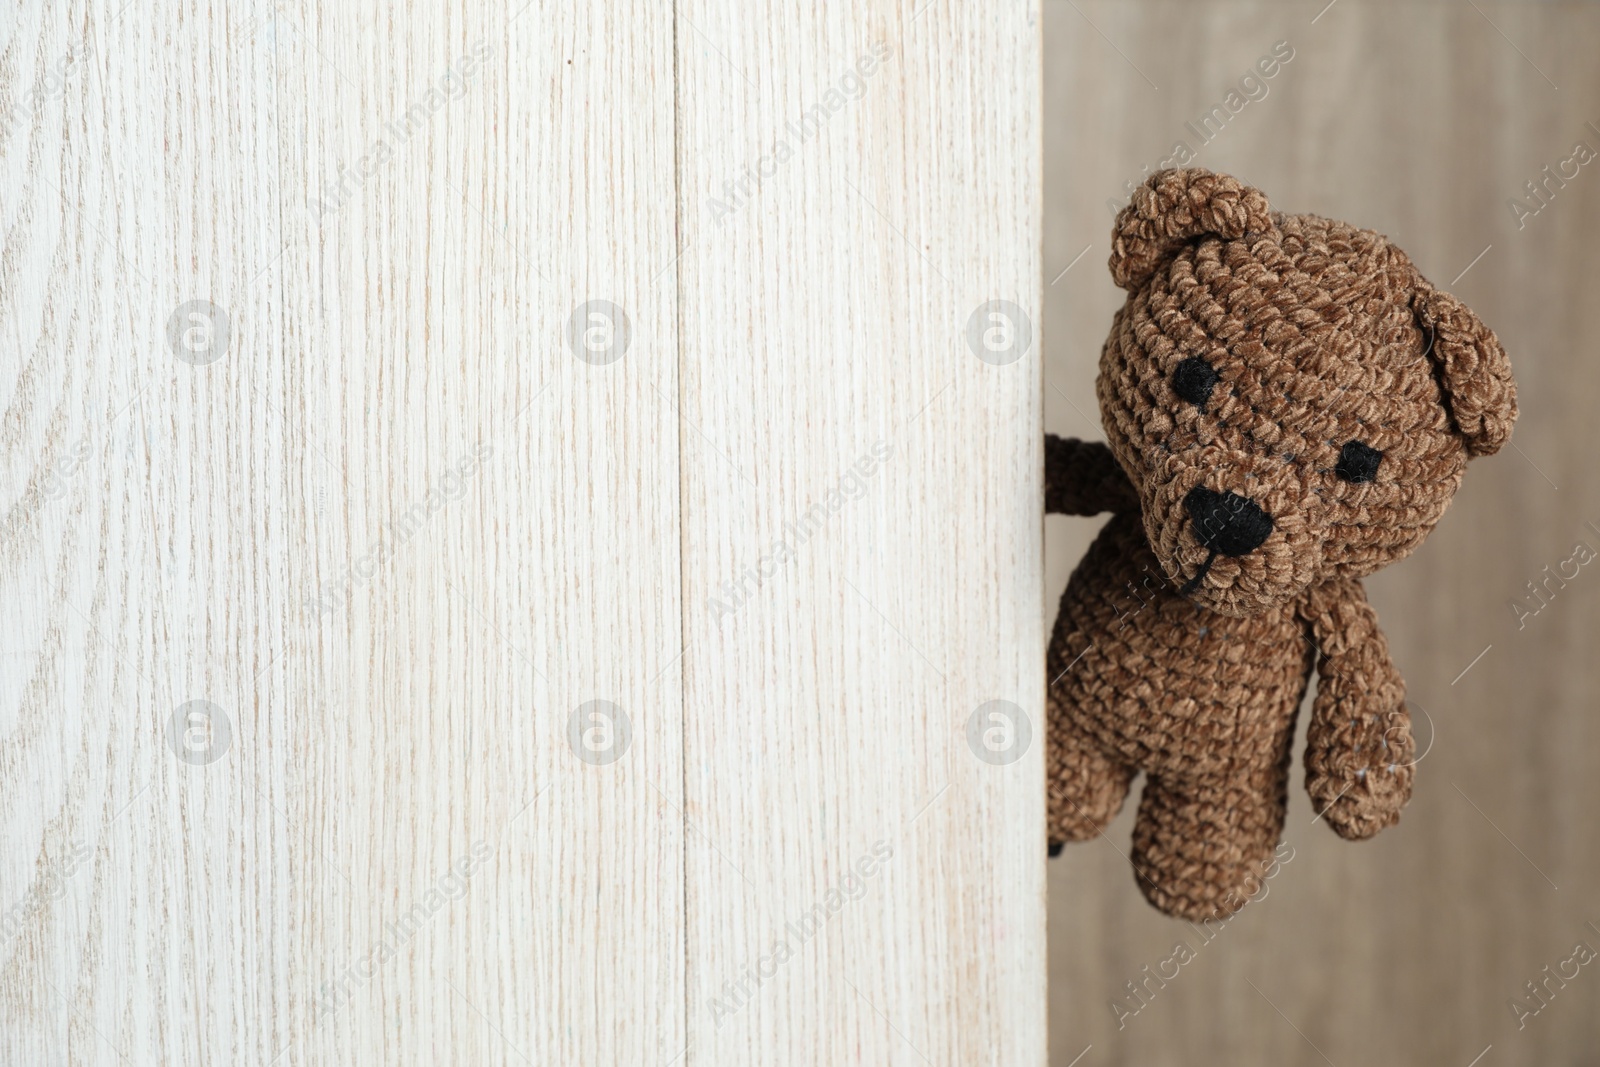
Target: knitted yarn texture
x,y
1288,406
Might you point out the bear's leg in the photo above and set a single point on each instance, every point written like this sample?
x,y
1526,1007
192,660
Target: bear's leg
x,y
1085,786
1202,849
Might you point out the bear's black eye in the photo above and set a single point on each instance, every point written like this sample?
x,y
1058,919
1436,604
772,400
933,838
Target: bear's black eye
x,y
1357,462
1193,381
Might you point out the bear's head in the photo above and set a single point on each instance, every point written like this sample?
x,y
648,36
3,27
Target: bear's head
x,y
1292,400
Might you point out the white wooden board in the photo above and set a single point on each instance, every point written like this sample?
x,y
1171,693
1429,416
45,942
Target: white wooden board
x,y
376,376
862,532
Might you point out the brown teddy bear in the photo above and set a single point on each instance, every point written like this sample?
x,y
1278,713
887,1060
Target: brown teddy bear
x,y
1288,405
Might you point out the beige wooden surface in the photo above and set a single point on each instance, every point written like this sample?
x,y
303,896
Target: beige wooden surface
x,y
825,320
1418,120
310,412
392,533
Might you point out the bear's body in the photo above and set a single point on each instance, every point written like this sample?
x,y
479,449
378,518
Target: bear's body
x,y
1289,406
1161,684
1152,682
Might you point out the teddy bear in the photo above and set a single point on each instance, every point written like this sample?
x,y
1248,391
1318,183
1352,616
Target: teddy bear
x,y
1288,406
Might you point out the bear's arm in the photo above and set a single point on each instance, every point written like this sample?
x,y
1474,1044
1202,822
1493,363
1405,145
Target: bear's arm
x,y
1084,478
1359,750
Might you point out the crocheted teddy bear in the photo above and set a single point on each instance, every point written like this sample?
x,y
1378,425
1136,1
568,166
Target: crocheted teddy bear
x,y
1288,406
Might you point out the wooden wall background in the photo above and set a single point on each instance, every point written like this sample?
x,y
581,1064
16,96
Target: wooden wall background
x,y
1419,120
384,385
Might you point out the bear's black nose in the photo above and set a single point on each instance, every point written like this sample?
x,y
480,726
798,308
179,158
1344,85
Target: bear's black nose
x,y
1227,522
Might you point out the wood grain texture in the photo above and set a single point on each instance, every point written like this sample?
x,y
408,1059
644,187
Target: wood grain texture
x,y
861,887
398,533
380,377
144,548
1420,121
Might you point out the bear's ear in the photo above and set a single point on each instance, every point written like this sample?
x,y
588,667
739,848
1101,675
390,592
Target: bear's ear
x,y
1174,206
1473,369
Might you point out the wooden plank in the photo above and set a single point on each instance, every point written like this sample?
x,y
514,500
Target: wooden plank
x,y
332,525
501,276
861,494
1420,121
398,534
146,870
